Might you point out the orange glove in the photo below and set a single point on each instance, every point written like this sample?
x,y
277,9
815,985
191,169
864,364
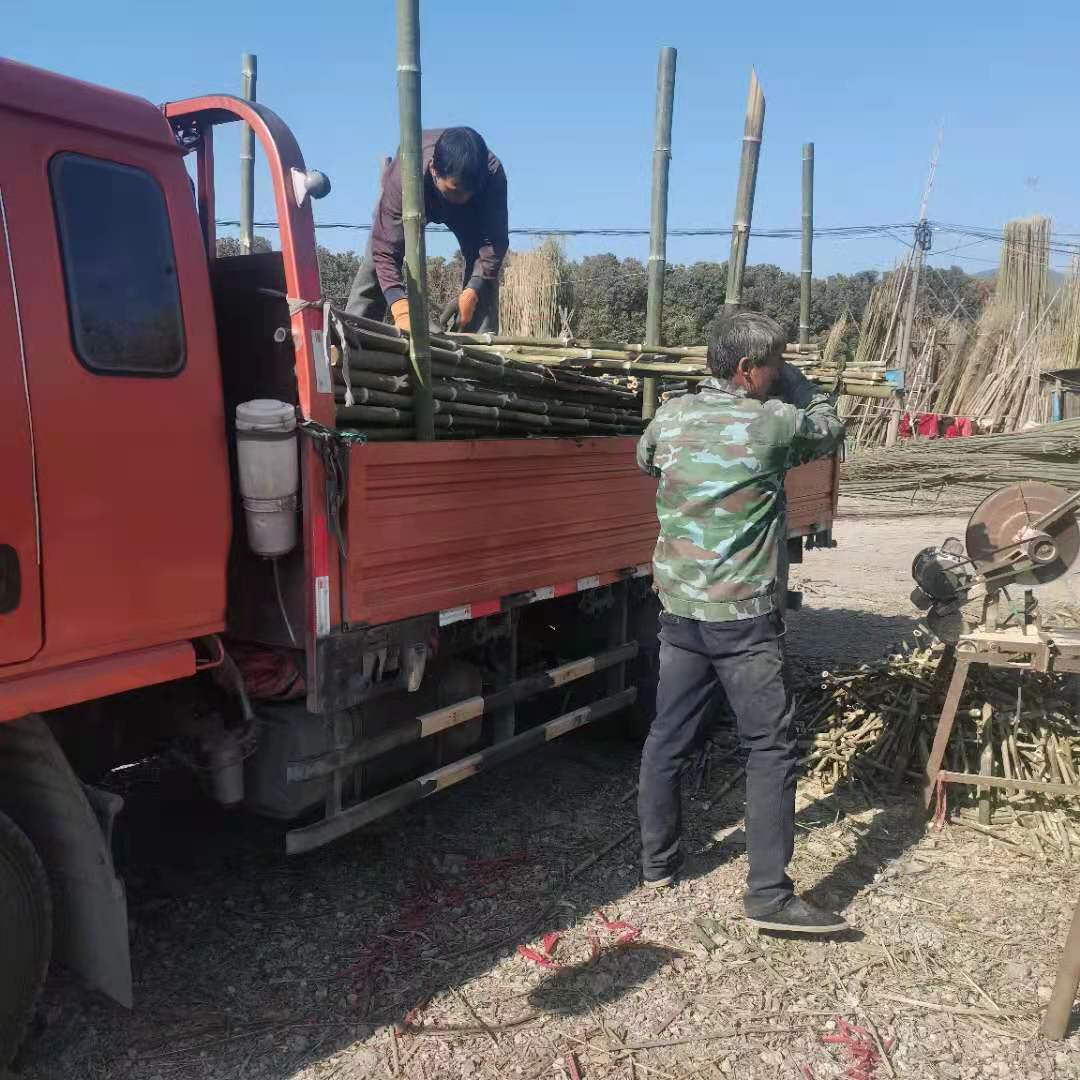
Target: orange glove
x,y
399,310
467,304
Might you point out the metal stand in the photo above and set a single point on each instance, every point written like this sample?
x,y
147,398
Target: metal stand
x,y
1023,649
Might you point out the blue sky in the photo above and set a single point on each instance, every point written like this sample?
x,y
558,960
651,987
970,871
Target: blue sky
x,y
564,93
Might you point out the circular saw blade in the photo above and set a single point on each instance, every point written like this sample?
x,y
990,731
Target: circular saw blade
x,y
1001,519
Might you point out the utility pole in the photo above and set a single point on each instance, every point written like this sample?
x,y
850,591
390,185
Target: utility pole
x,y
744,197
665,101
922,242
249,68
806,273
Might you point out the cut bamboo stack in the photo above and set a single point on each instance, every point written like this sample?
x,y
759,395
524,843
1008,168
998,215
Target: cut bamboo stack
x,y
506,385
478,391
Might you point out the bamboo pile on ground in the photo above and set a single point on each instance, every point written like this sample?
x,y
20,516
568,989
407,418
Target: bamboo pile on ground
x,y
932,475
873,726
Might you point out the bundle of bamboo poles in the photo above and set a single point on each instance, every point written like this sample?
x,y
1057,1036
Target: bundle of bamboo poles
x,y
875,725
932,475
1064,339
487,384
993,376
477,391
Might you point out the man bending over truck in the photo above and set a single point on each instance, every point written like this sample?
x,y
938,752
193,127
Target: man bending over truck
x,y
721,456
464,189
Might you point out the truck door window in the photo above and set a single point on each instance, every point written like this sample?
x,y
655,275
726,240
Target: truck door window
x,y
119,267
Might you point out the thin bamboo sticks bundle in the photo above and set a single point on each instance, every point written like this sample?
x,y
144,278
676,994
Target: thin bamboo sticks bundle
x,y
879,320
1064,340
533,289
932,475
1023,276
834,340
994,378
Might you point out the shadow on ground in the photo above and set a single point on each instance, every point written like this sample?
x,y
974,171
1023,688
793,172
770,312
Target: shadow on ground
x,y
249,965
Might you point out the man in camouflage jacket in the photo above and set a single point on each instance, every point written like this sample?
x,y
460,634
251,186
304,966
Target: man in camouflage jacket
x,y
720,456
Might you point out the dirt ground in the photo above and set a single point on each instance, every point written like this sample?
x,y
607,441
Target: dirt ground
x,y
396,952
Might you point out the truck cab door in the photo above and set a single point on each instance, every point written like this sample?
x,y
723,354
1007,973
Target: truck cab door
x,y
20,577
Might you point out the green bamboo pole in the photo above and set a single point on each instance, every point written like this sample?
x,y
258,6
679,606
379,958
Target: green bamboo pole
x,y
412,211
665,99
807,270
249,69
744,197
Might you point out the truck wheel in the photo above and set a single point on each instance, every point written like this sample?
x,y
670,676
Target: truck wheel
x,y
25,934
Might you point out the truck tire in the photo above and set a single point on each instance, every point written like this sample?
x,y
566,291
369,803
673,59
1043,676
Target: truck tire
x,y
25,934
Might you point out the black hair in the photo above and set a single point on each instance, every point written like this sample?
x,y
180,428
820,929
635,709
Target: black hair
x,y
736,334
461,155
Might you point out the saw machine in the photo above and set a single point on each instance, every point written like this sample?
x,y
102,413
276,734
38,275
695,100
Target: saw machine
x,y
979,597
1019,538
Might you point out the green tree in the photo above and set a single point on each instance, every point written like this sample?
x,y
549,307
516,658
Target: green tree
x,y
228,246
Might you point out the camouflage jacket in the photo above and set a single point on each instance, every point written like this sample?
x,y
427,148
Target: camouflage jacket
x,y
721,458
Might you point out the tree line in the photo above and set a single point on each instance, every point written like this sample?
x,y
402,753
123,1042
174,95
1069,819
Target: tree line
x,y
606,295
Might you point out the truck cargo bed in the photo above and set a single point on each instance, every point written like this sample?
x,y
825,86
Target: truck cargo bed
x,y
436,526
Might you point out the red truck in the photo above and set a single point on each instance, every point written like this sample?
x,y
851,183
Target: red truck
x,y
447,606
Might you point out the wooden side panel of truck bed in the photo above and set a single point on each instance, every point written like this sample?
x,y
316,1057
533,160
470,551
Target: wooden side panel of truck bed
x,y
434,526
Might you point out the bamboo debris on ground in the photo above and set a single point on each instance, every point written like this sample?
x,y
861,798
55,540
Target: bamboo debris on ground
x,y
932,475
875,724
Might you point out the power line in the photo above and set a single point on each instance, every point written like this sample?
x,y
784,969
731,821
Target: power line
x,y
973,233
841,232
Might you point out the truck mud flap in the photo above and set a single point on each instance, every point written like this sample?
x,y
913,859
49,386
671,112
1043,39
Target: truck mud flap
x,y
70,826
345,821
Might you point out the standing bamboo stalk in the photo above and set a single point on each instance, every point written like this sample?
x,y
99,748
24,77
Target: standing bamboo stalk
x,y
744,197
665,100
806,273
249,69
412,212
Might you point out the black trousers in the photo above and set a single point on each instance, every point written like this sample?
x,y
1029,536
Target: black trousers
x,y
746,658
366,298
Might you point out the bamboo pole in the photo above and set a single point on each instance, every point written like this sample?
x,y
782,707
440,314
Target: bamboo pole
x,y
665,99
1056,1019
807,270
412,211
249,69
744,198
